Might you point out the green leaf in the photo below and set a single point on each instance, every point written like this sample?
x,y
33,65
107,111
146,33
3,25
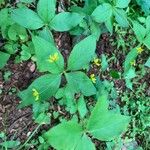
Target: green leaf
x,y
85,144
16,31
64,136
104,63
114,74
82,53
109,24
3,59
65,21
102,13
10,144
105,125
139,31
43,119
131,56
25,53
146,41
121,18
81,104
147,64
79,82
43,50
46,9
147,25
27,1
130,73
27,18
39,108
46,86
122,3
47,35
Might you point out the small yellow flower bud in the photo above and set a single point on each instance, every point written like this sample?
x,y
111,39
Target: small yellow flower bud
x,y
96,62
139,50
53,58
35,94
92,77
132,63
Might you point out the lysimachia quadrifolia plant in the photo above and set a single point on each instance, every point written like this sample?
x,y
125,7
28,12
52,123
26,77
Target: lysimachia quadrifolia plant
x,y
45,15
102,124
49,59
129,65
98,13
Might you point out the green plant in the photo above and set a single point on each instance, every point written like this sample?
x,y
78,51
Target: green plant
x,y
4,144
102,124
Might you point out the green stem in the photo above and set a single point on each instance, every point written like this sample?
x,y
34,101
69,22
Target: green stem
x,y
29,137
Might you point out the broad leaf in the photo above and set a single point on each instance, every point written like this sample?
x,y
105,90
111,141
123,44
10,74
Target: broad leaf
x,y
145,4
130,73
43,118
65,21
64,136
121,18
105,125
146,41
148,25
147,64
102,13
85,144
131,56
27,18
10,144
46,9
46,34
79,82
3,59
46,86
44,50
122,3
81,104
139,31
82,53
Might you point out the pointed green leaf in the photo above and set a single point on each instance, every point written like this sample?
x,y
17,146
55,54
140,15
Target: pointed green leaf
x,y
82,53
10,144
81,104
122,3
64,136
85,144
44,50
47,35
102,13
46,9
147,64
146,41
139,31
65,21
105,125
79,82
121,18
3,59
46,86
131,56
27,18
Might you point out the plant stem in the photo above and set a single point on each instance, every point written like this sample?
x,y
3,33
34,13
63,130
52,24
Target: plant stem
x,y
30,137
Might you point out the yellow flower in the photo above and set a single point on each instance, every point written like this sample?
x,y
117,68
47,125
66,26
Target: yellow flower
x,y
92,77
35,94
139,50
96,62
132,63
53,58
